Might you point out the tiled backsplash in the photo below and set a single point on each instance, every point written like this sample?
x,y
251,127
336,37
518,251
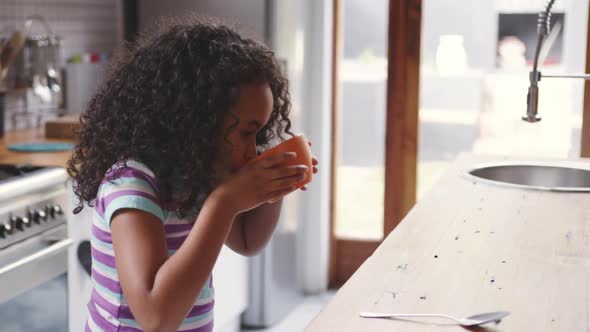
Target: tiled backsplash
x,y
85,26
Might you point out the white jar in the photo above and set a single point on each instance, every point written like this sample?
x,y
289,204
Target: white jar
x,y
451,57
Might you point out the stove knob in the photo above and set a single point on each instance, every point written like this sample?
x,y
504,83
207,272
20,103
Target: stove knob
x,y
36,217
21,223
18,223
39,216
13,222
55,211
8,228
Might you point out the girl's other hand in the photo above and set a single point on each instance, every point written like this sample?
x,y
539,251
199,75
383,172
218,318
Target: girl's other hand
x,y
314,162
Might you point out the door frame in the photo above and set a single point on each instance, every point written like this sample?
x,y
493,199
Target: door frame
x,y
401,138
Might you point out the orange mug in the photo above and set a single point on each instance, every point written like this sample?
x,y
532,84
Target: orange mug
x,y
300,146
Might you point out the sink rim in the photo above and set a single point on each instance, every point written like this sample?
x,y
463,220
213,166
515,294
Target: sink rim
x,y
569,164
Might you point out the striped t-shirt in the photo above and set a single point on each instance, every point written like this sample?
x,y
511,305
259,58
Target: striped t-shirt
x,y
134,187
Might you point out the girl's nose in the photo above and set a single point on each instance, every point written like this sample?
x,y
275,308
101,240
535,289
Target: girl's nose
x,y
251,152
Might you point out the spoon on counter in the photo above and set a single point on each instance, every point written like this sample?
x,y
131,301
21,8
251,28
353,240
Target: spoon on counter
x,y
474,320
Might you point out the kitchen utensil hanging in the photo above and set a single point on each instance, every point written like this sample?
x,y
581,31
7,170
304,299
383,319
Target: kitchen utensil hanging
x,y
36,67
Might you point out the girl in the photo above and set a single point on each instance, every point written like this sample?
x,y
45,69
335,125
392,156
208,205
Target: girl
x,y
162,157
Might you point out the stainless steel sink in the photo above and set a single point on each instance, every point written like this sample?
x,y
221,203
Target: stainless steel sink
x,y
549,176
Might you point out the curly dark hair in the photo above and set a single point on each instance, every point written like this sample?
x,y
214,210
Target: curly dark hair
x,y
163,102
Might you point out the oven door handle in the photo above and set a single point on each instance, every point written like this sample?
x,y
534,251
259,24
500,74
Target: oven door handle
x,y
49,251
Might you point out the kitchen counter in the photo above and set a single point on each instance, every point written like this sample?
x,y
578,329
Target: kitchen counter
x,y
468,248
34,158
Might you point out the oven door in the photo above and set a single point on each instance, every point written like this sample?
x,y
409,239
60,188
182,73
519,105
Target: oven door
x,y
32,262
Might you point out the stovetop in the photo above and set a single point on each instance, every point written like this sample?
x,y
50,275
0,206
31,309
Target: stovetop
x,y
32,201
12,171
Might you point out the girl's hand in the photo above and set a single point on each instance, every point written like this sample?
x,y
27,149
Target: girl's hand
x,y
314,162
261,182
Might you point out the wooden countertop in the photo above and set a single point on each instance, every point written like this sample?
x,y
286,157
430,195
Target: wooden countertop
x,y
468,248
34,158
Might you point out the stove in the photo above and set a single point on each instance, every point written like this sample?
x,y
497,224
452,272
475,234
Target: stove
x,y
33,230
8,172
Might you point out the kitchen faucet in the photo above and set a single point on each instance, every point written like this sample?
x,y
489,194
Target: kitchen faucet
x,y
543,27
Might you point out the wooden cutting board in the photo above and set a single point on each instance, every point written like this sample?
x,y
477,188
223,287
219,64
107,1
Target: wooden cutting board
x,y
63,127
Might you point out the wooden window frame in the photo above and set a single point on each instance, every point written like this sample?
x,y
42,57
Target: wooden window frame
x,y
404,27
